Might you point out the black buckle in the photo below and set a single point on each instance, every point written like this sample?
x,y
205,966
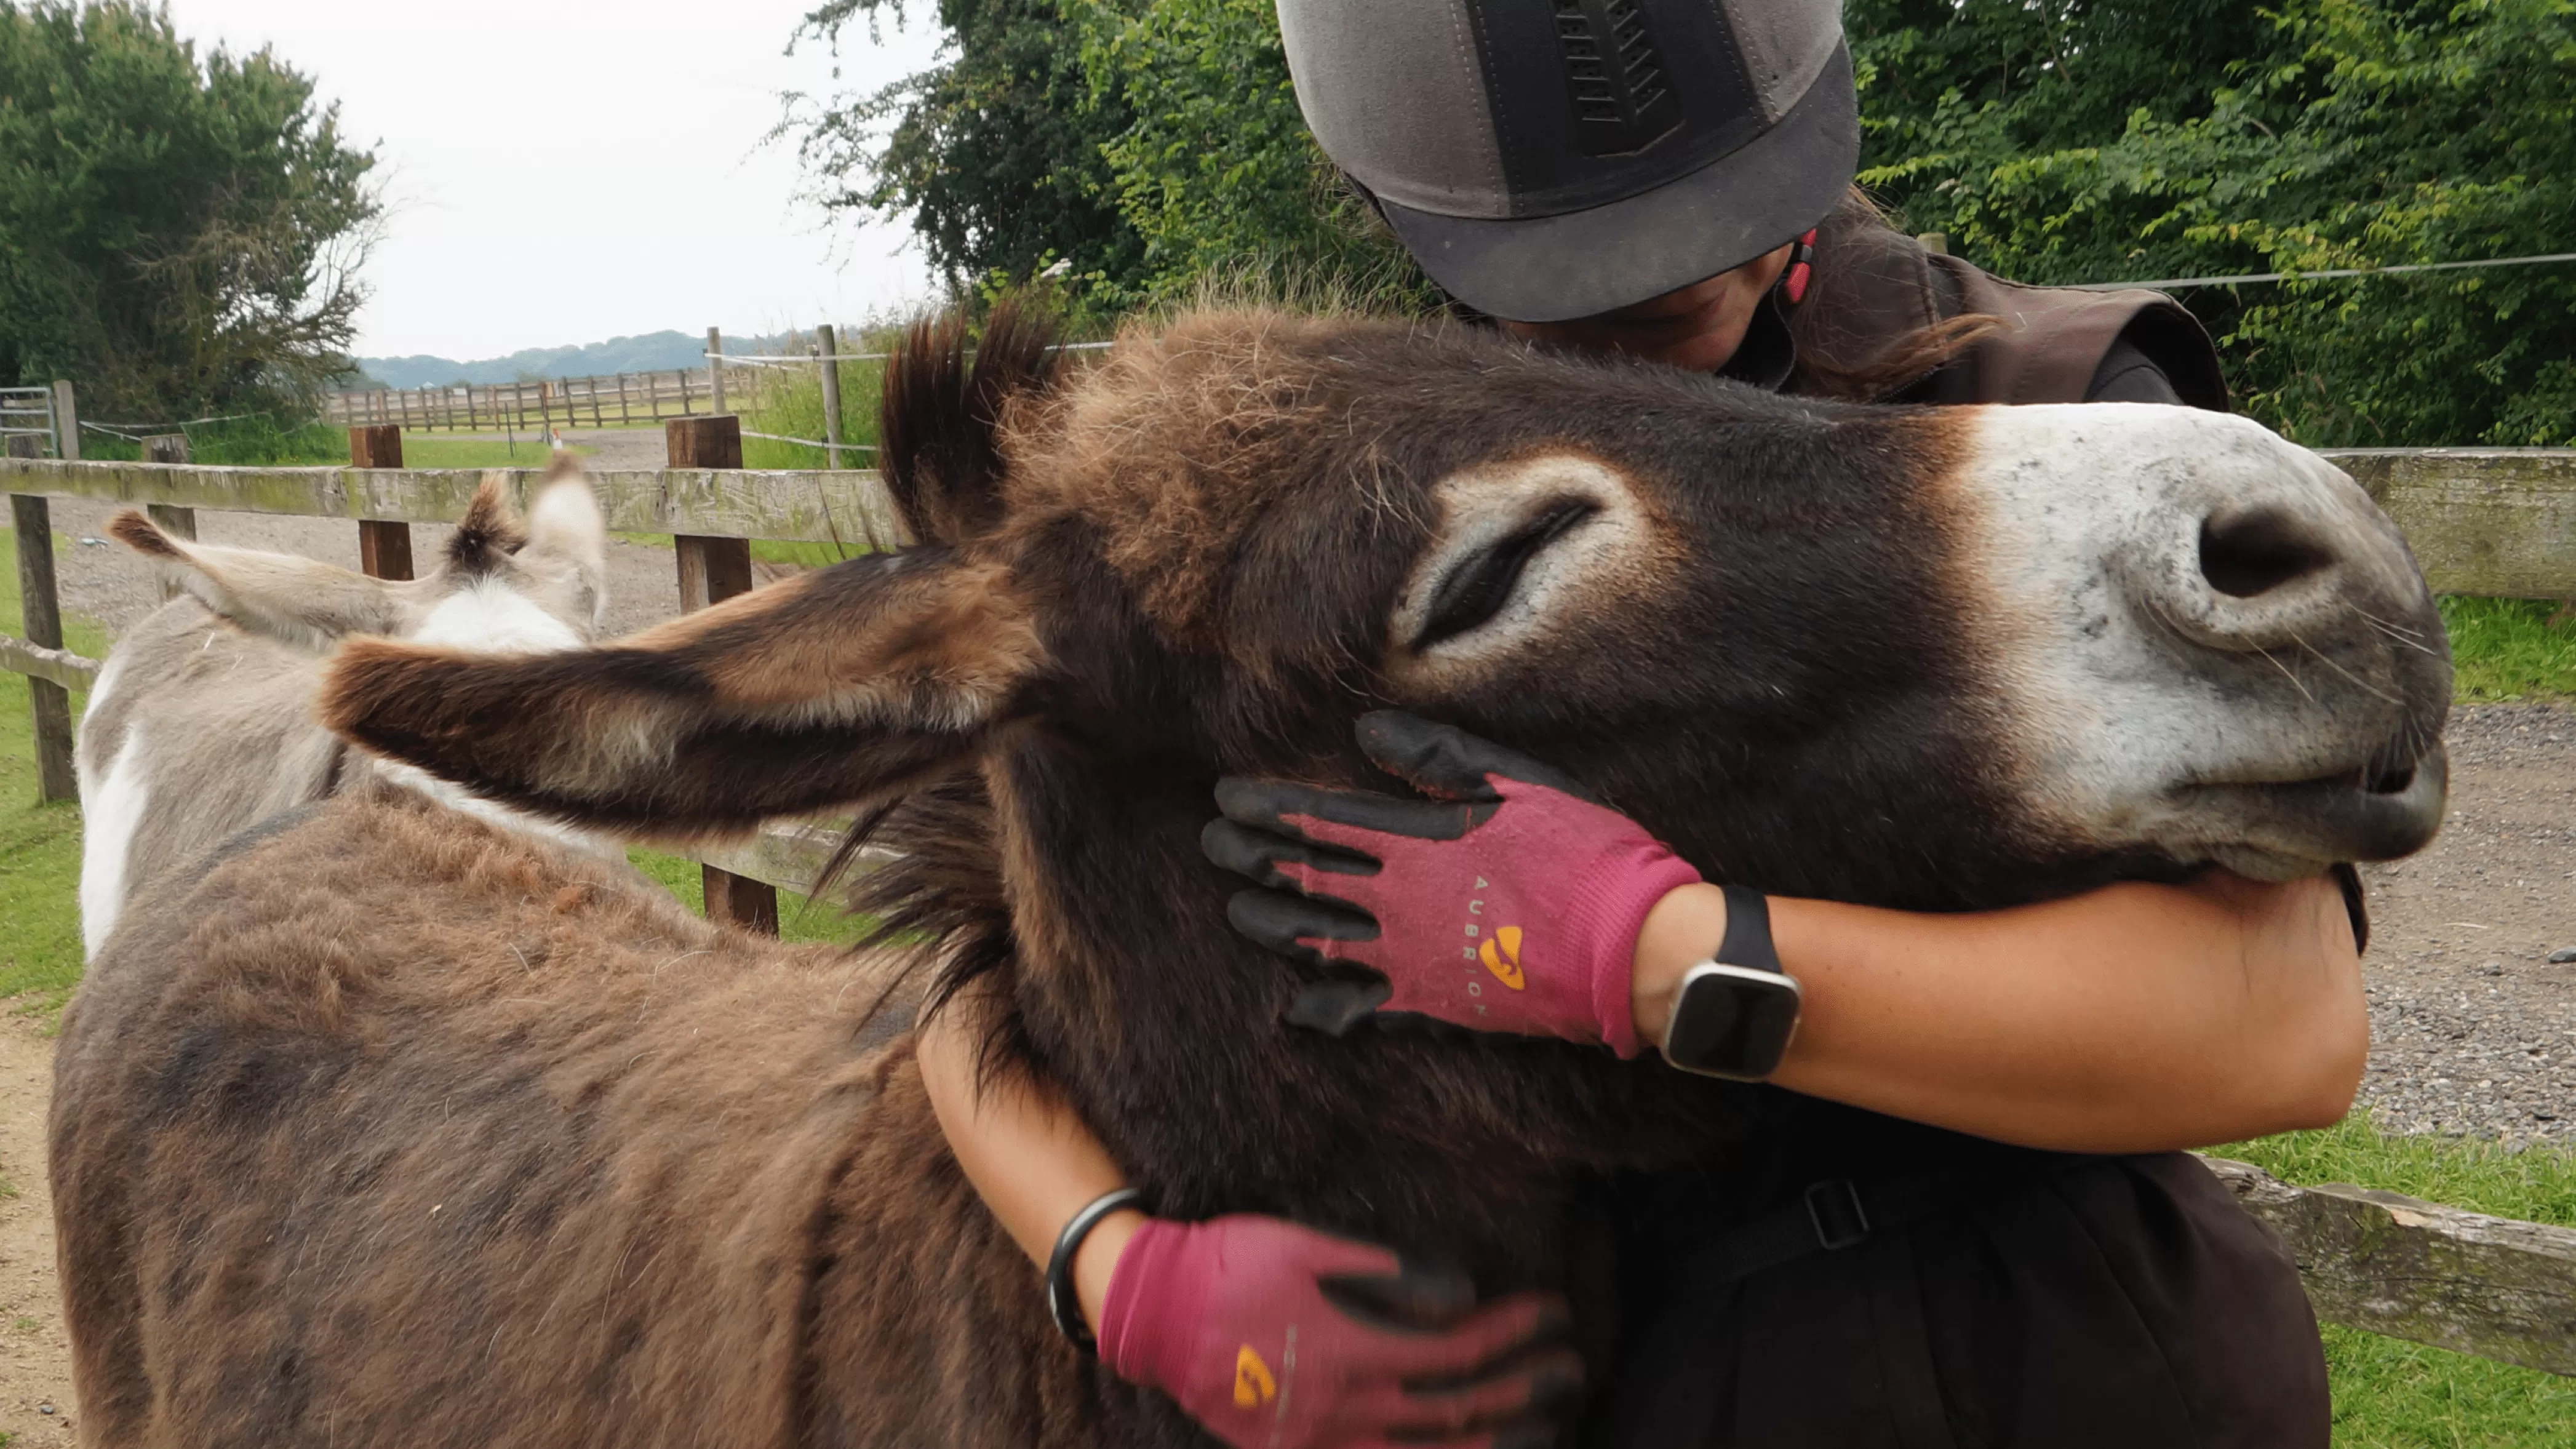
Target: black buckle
x,y
1834,1210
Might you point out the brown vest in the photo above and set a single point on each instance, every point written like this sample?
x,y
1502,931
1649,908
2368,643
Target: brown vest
x,y
1874,286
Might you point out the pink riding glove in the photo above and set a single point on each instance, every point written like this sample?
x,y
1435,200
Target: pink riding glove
x,y
1274,1336
1509,901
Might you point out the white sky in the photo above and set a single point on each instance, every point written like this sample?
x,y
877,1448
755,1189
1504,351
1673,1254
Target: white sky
x,y
565,171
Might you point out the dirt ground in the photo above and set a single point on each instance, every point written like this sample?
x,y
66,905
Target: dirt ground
x,y
2473,1030
35,1356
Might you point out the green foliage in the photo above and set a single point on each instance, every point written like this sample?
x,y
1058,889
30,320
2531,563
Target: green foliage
x,y
994,153
244,442
177,235
2087,142
2510,649
1148,146
1215,169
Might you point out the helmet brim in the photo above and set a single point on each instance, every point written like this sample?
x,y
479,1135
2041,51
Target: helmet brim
x,y
1583,263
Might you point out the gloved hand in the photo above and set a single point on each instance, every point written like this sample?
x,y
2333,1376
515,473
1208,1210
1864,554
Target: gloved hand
x,y
1274,1336
1509,901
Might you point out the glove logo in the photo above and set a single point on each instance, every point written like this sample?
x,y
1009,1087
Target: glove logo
x,y
1501,954
1253,1385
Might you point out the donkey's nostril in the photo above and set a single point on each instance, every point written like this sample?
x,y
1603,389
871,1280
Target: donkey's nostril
x,y
2257,551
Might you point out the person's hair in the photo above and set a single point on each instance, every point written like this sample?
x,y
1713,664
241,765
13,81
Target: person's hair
x,y
1898,363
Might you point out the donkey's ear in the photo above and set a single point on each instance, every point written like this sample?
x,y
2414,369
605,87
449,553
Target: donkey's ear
x,y
940,418
302,601
565,520
489,532
829,688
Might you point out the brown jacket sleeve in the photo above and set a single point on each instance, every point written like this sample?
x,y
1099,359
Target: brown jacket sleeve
x,y
1875,287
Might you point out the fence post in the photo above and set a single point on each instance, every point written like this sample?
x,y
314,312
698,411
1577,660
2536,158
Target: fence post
x,y
714,569
715,371
175,520
42,610
384,545
831,342
66,423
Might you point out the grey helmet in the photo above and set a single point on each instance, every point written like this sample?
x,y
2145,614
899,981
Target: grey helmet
x,y
1551,159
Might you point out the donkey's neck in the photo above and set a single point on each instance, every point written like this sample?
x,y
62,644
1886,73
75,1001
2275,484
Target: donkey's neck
x,y
1167,1029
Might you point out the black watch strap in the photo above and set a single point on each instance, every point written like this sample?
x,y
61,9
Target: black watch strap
x,y
1747,941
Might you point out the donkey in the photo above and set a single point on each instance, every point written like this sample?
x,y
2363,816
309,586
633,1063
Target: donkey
x,y
390,1130
201,724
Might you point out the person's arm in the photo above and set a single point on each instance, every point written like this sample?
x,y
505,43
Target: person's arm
x,y
1230,1316
2135,1018
1028,1153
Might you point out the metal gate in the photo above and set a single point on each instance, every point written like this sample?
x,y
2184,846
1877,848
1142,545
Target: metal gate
x,y
29,411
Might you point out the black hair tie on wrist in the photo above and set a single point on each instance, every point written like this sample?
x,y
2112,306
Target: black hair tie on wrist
x,y
1063,1303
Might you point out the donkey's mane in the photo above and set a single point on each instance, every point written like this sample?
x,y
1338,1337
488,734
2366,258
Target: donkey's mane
x,y
940,892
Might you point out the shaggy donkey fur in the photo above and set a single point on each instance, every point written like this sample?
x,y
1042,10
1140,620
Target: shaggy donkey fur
x,y
398,1131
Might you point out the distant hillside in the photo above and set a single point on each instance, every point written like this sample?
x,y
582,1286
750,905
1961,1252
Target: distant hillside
x,y
652,352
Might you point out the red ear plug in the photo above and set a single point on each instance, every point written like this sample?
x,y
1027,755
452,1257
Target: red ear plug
x,y
1800,272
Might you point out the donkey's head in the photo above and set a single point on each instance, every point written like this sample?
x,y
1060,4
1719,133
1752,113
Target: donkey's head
x,y
202,726
502,584
1924,658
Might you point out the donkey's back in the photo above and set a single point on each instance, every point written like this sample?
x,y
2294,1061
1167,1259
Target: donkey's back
x,y
480,1143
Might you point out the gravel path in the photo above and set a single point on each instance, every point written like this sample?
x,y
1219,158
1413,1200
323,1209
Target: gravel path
x,y
2473,1031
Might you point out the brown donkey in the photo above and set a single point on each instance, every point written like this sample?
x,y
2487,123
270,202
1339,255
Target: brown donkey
x,y
394,1130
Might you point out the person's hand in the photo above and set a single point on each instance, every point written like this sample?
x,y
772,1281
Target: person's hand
x,y
1509,901
1274,1336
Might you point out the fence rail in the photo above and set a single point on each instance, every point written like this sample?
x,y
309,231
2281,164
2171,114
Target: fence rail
x,y
818,505
619,400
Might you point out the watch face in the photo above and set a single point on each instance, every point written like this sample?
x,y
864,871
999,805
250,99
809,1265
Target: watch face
x,y
1731,1021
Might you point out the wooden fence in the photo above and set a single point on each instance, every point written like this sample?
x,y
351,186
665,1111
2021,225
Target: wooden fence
x,y
2482,521
625,400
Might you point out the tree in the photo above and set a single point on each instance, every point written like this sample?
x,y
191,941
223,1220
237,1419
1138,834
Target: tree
x,y
2052,140
177,236
2072,142
995,152
1214,169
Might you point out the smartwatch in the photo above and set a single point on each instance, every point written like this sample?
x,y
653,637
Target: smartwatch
x,y
1734,1014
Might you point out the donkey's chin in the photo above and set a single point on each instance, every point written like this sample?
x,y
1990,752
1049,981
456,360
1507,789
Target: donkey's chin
x,y
2280,830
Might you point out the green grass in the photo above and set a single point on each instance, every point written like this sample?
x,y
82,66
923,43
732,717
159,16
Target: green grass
x,y
810,553
799,918
247,442
2509,649
788,401
40,952
2390,1394
466,450
2537,1184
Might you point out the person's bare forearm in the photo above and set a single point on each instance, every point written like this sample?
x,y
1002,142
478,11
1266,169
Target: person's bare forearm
x,y
2130,1019
2135,1018
1028,1153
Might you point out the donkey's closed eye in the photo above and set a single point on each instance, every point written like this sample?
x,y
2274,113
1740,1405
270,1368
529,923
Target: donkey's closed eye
x,y
1482,583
